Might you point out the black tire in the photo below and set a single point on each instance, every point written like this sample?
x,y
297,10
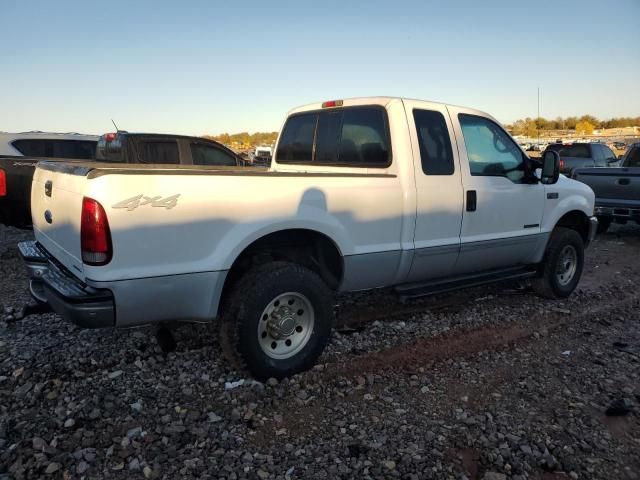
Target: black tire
x,y
549,284
603,224
242,317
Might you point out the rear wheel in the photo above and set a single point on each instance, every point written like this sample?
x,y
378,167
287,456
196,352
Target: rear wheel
x,y
278,320
561,268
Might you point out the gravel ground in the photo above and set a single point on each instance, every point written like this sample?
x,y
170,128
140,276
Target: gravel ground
x,y
489,383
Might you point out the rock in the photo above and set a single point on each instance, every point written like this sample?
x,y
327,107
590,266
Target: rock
x,y
115,374
262,474
134,432
213,418
70,422
38,443
247,458
82,467
272,382
494,476
389,464
619,407
134,464
52,468
147,472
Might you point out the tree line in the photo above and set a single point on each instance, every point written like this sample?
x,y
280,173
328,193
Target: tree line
x,y
245,138
583,125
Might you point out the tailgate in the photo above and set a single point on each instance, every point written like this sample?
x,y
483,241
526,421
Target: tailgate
x,y
56,205
611,183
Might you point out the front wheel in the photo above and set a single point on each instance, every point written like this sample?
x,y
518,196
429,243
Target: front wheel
x,y
561,268
278,320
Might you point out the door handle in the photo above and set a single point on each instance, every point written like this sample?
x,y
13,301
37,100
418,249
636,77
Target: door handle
x,y
472,200
624,181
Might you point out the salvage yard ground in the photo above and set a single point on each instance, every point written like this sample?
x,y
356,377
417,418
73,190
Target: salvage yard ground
x,y
491,382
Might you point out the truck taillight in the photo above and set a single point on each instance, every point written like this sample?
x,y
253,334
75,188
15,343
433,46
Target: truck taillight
x,y
3,183
110,137
561,165
95,236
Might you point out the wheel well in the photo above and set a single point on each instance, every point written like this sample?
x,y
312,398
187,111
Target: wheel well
x,y
312,249
578,221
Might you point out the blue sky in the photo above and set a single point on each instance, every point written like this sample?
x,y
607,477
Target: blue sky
x,y
199,67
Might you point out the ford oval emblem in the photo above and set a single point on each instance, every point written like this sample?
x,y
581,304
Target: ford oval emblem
x,y
48,216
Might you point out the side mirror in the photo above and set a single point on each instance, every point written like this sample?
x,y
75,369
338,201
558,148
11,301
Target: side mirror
x,y
550,167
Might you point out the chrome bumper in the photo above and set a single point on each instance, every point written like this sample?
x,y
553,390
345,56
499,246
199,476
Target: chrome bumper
x,y
593,228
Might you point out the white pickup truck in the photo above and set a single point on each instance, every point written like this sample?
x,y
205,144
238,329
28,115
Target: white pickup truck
x,y
362,193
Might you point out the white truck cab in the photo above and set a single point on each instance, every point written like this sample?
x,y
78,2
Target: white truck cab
x,y
362,193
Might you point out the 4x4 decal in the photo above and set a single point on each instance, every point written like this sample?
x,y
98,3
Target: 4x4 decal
x,y
140,200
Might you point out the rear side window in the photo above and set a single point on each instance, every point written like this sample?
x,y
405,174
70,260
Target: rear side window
x,y
204,154
576,150
160,152
435,145
296,144
355,136
84,149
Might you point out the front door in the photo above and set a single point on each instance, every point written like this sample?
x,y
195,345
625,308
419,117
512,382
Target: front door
x,y
503,212
438,191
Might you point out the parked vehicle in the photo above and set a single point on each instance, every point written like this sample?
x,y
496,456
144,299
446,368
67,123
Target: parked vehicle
x,y
50,145
120,147
579,155
262,156
617,190
154,148
362,193
16,166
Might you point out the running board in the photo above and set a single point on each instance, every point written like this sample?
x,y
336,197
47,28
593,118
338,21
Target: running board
x,y
423,289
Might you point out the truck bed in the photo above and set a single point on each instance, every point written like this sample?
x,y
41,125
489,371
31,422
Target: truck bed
x,y
612,186
14,207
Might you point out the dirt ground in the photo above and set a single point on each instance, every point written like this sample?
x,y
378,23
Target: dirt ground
x,y
486,383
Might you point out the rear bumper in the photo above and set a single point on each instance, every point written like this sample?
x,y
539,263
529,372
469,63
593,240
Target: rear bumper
x,y
121,303
75,301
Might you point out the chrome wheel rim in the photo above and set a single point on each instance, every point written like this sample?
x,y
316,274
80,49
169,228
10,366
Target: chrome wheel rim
x,y
285,325
567,265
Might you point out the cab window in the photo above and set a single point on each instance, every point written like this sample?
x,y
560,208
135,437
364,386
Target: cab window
x,y
434,142
350,137
203,154
296,144
160,152
490,150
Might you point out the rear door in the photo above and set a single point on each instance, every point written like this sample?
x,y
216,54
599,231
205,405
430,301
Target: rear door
x,y
502,214
438,191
